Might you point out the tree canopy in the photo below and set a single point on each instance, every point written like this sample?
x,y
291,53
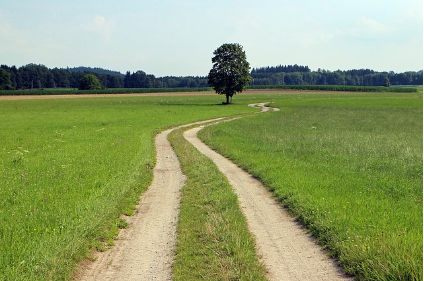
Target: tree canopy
x,y
230,71
5,82
90,82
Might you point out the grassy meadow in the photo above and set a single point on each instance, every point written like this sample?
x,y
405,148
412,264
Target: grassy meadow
x,y
70,167
348,166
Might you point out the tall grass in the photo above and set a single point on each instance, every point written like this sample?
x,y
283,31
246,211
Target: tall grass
x,y
347,166
70,167
213,240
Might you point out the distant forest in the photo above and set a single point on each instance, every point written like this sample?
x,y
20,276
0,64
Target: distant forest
x,y
36,76
302,75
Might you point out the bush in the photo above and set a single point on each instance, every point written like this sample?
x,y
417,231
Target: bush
x,y
90,82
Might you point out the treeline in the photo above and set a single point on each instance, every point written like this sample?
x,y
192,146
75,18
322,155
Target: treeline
x,y
279,68
37,76
302,75
140,79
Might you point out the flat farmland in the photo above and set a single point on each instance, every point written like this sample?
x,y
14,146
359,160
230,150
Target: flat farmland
x,y
348,167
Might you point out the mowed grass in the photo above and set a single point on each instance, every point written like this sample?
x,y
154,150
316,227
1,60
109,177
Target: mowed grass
x,y
213,240
70,167
349,167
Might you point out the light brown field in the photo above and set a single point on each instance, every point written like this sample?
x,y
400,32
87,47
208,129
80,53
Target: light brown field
x,y
203,93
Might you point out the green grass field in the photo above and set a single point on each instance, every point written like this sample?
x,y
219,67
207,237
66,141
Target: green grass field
x,y
349,167
69,167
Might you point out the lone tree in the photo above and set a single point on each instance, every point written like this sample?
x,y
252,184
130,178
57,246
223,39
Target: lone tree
x,y
230,71
90,82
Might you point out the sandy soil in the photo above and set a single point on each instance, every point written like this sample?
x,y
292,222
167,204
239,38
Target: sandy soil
x,y
202,93
145,250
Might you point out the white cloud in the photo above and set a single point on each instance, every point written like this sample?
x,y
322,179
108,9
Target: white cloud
x,y
99,24
315,37
369,28
371,25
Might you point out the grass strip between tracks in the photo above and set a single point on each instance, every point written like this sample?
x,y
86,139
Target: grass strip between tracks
x,y
213,240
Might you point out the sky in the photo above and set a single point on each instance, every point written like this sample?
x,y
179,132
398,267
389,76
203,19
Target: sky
x,y
178,37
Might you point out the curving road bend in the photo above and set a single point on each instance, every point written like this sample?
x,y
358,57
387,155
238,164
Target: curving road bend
x,y
286,250
144,251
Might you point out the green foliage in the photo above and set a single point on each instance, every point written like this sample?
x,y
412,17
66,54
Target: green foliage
x,y
349,167
90,82
33,76
5,82
302,75
230,71
386,82
139,79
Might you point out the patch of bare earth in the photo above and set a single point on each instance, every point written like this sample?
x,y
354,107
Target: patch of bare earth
x,y
202,93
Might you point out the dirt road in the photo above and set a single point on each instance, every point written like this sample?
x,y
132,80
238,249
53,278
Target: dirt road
x,y
144,251
287,251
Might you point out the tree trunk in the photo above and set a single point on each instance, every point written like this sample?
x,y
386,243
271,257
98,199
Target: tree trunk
x,y
228,99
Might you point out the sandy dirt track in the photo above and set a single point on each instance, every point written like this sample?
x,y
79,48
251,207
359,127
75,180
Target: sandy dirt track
x,y
145,250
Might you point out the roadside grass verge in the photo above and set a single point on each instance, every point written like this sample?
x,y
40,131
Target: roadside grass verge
x,y
213,240
70,167
349,167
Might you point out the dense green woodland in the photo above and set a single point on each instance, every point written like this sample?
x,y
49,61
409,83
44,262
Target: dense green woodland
x,y
302,75
37,76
